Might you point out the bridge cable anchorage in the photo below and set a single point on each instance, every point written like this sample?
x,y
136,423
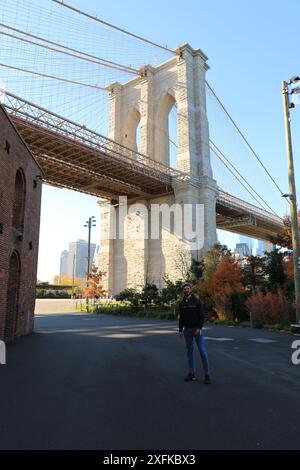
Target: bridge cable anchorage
x,y
99,61
244,179
110,25
244,186
53,77
244,138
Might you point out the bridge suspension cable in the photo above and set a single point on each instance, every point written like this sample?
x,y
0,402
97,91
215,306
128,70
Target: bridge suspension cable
x,y
110,25
237,171
220,155
243,137
20,69
237,175
83,56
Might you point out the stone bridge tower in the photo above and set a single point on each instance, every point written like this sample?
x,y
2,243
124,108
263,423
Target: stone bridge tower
x,y
145,103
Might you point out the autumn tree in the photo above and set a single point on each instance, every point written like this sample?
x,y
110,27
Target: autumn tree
x,y
284,237
225,282
209,265
94,289
212,258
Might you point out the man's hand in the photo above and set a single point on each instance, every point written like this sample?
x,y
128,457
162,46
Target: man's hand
x,y
197,332
180,334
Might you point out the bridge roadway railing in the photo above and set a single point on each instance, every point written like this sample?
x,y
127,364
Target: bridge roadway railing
x,y
233,202
33,115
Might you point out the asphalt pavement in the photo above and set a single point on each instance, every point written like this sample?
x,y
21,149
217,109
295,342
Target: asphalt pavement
x,y
104,382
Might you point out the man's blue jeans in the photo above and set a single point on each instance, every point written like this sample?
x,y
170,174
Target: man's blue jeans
x,y
189,336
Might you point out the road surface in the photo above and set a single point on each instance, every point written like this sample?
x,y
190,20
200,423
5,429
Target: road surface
x,y
104,382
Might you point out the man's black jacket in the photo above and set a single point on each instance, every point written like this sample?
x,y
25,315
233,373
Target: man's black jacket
x,y
191,313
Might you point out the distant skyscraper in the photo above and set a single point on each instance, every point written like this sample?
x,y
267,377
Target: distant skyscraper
x,y
248,241
242,249
78,253
63,271
263,247
96,253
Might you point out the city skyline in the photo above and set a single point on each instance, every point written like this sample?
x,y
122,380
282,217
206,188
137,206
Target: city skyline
x,y
74,260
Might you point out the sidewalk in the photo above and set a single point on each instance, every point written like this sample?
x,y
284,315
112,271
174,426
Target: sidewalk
x,y
55,306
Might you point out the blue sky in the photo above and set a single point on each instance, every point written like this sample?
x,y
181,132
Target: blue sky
x,y
252,47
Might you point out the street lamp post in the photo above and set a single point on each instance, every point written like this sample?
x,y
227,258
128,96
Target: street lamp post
x,y
91,222
292,188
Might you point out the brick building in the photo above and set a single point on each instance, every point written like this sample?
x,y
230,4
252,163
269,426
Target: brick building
x,y
20,200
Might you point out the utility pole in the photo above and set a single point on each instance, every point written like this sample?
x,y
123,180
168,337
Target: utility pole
x,y
91,222
292,189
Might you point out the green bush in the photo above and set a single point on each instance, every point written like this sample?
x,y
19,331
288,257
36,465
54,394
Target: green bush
x,y
278,327
130,295
131,311
244,324
225,322
52,294
238,306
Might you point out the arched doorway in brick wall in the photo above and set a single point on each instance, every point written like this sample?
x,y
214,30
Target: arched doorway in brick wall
x,y
12,296
19,201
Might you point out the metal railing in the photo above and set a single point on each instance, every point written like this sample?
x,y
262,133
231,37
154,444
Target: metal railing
x,y
235,202
35,115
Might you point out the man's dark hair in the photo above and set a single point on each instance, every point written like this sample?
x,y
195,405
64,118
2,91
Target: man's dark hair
x,y
186,285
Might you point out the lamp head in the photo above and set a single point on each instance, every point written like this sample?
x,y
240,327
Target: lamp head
x,y
294,79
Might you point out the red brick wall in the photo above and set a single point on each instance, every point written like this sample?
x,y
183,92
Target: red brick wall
x,y
19,200
23,240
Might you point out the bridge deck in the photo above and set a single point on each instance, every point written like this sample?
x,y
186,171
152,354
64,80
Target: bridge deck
x,y
77,158
237,216
70,163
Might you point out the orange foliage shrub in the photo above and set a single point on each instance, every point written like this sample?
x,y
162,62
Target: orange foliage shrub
x,y
226,280
271,308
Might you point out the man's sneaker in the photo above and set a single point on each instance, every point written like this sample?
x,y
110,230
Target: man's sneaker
x,y
189,377
207,380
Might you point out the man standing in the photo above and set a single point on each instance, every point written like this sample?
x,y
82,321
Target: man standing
x,y
191,318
